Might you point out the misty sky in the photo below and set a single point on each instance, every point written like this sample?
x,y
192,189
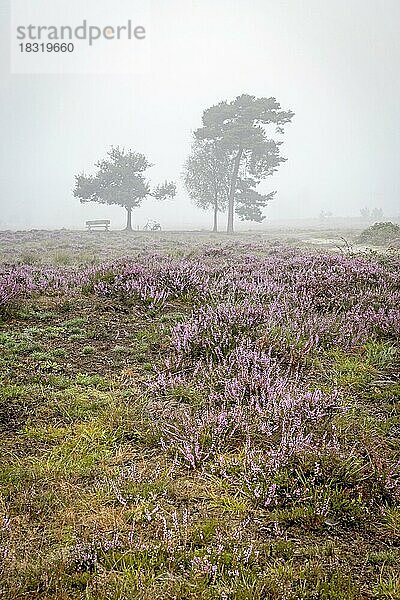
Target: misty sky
x,y
335,63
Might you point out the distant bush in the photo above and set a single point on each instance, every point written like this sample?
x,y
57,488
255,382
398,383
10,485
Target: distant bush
x,y
381,233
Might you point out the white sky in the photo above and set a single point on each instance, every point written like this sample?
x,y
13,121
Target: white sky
x,y
335,63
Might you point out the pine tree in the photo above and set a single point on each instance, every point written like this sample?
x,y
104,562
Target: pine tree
x,y
120,180
240,128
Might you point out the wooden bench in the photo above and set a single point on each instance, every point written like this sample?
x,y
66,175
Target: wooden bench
x,y
103,224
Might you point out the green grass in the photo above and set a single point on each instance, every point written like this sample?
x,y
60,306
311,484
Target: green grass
x,y
94,505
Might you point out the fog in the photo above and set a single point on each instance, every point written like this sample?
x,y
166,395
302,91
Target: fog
x,y
333,62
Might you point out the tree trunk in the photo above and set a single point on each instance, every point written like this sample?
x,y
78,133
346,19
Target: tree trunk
x,y
215,228
128,219
232,190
